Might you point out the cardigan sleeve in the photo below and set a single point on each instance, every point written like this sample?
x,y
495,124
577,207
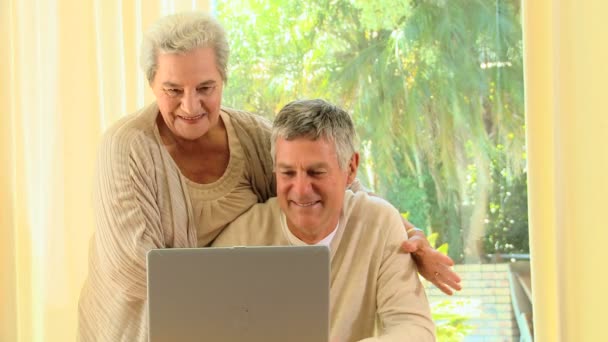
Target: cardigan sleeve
x,y
403,308
126,213
254,134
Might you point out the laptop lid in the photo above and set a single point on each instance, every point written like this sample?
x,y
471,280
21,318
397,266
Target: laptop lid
x,y
269,294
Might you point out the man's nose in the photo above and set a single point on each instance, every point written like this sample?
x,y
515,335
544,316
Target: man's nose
x,y
302,185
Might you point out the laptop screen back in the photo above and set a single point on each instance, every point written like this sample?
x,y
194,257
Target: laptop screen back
x,y
278,293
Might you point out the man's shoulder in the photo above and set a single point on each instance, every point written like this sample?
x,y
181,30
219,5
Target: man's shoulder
x,y
372,217
366,206
256,226
266,211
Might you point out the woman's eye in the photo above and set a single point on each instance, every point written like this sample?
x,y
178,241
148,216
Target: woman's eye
x,y
207,90
172,92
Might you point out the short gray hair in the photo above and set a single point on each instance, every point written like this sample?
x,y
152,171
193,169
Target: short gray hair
x,y
181,33
315,119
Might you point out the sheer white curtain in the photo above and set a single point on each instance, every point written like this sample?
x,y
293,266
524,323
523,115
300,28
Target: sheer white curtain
x,y
567,124
68,69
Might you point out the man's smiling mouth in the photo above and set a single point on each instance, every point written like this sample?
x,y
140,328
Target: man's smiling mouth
x,y
307,204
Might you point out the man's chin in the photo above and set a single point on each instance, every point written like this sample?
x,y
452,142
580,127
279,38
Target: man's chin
x,y
304,225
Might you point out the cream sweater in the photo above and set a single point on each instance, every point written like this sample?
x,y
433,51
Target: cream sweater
x,y
371,280
142,201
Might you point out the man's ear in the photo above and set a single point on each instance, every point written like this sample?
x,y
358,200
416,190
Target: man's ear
x,y
353,165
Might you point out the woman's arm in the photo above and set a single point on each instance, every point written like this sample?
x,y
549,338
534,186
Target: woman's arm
x,y
112,303
432,264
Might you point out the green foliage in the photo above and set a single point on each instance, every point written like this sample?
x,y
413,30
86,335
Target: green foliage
x,y
443,248
507,219
433,242
382,14
450,320
449,317
409,195
434,86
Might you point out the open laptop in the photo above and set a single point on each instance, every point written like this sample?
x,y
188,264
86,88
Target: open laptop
x,y
269,294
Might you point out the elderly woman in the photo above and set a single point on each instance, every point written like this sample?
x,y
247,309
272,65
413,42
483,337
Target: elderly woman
x,y
175,173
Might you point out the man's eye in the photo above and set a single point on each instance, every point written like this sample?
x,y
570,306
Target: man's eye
x,y
316,173
288,173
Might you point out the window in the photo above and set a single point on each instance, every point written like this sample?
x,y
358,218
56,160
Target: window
x,y
435,88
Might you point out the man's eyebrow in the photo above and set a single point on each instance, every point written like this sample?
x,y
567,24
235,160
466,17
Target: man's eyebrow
x,y
207,83
312,166
175,85
318,165
284,166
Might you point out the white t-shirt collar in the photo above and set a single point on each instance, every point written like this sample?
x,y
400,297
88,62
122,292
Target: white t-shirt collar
x,y
327,240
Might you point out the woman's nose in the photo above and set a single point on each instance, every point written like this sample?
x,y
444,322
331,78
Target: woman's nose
x,y
191,103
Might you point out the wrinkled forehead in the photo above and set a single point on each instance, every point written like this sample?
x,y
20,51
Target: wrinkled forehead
x,y
195,67
309,136
305,150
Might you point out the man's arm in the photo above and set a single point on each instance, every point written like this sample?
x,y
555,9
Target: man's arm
x,y
403,307
432,265
265,217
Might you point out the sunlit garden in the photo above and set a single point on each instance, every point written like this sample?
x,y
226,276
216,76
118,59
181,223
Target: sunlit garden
x,y
436,90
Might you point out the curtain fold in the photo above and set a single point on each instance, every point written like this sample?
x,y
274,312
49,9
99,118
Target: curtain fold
x,y
565,75
540,76
69,70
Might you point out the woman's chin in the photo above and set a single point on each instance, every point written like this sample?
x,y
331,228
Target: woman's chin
x,y
193,131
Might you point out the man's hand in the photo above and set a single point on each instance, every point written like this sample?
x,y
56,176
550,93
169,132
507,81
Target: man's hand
x,y
432,265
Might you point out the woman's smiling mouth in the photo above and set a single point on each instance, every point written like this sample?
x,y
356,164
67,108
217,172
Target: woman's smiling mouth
x,y
191,118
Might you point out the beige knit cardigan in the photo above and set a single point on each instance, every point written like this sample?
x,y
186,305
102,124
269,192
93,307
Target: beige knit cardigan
x,y
141,203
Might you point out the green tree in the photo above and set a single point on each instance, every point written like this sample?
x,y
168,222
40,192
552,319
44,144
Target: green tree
x,y
434,86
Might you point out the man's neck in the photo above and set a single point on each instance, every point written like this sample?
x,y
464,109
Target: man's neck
x,y
312,238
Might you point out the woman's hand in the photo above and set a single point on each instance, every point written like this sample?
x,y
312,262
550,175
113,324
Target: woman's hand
x,y
432,264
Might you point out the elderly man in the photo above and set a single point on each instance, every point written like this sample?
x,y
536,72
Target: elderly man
x,y
315,161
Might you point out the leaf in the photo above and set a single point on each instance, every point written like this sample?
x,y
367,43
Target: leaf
x,y
433,239
443,249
